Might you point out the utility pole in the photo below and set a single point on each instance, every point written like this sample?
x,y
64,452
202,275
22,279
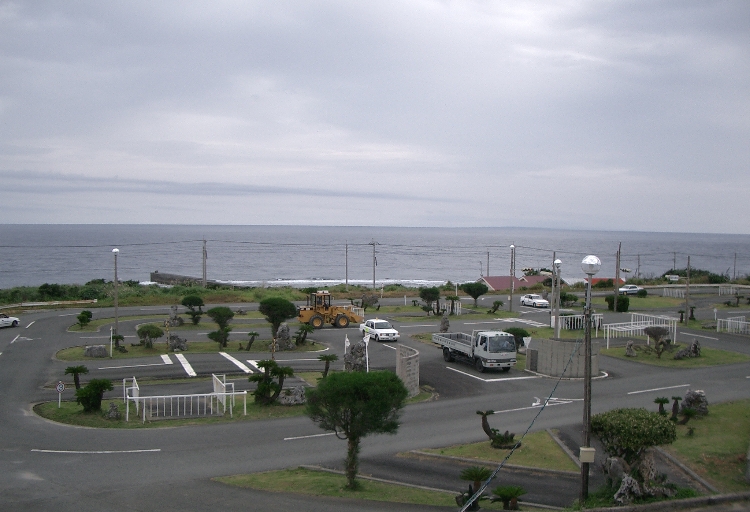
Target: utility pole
x,y
347,266
674,261
205,256
512,274
481,269
115,251
617,276
374,262
638,268
488,263
734,275
687,294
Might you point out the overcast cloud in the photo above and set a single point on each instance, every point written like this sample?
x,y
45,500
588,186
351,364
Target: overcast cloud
x,y
615,115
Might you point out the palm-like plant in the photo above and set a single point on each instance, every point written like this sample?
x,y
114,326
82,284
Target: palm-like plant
x,y
662,401
328,359
300,337
252,335
509,495
476,475
75,371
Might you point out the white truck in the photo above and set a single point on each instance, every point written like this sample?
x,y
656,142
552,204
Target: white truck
x,y
483,349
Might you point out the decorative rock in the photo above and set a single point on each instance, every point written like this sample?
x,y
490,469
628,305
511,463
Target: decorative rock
x,y
95,351
629,351
355,360
283,340
295,396
113,413
697,401
694,350
175,320
628,491
176,343
614,467
444,323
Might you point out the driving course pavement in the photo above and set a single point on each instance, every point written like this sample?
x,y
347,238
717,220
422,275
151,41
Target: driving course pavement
x,y
48,466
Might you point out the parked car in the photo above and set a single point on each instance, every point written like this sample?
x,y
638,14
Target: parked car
x,y
379,330
535,301
8,321
630,289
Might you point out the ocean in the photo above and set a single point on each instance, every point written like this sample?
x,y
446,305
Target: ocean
x,y
324,255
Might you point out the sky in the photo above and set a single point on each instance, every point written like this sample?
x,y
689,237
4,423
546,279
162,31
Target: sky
x,y
613,115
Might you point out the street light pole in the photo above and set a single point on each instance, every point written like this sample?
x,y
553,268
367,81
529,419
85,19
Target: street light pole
x,y
115,251
590,266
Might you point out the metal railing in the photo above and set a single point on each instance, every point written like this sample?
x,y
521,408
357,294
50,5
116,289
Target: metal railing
x,y
678,293
578,322
180,406
734,325
638,323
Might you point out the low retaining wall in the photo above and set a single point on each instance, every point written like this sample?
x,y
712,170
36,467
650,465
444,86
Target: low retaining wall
x,y
550,357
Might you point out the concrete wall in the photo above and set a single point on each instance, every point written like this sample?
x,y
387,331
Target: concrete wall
x,y
551,356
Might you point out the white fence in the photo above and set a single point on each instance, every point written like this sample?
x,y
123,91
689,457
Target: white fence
x,y
727,290
734,325
180,406
578,322
639,322
673,292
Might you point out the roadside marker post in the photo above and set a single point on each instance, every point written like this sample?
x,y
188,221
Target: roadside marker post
x,y
60,388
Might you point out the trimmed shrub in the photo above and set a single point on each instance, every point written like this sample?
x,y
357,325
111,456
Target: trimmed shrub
x,y
90,396
519,334
623,303
641,293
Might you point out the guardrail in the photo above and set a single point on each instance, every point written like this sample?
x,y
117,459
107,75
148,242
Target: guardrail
x,y
678,293
734,325
639,322
180,406
577,322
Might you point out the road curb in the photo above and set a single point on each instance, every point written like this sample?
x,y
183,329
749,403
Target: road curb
x,y
688,503
493,463
692,474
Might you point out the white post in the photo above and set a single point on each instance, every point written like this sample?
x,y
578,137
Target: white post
x,y
367,352
110,342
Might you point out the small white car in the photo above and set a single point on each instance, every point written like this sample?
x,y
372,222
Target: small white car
x,y
8,321
535,301
630,289
379,330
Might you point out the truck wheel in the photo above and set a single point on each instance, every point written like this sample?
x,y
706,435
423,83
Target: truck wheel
x,y
342,321
506,369
316,321
447,356
479,366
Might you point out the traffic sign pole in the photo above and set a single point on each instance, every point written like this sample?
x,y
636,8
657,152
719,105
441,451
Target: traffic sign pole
x,y
60,388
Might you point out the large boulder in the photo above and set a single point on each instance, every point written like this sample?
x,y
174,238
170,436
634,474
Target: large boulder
x,y
355,360
294,396
694,350
629,490
283,339
444,323
175,343
95,351
629,350
696,400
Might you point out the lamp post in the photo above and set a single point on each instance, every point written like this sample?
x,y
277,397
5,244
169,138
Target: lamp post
x,y
590,266
512,274
115,251
556,297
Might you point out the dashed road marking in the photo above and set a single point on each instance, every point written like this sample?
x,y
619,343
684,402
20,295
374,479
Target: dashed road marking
x,y
307,437
95,452
184,362
166,359
237,363
32,323
493,380
658,389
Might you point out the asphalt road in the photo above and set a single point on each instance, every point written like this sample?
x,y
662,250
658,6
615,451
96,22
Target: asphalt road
x,y
47,466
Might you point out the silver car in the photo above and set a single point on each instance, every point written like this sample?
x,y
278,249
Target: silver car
x,y
8,321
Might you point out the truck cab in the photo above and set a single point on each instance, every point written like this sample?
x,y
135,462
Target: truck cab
x,y
492,349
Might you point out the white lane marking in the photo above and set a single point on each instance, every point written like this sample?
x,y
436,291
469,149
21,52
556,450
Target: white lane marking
x,y
307,437
537,406
238,364
96,452
166,359
493,380
553,400
100,337
254,364
658,389
184,362
421,325
68,314
389,346
32,323
155,308
14,339
698,336
130,366
293,360
488,322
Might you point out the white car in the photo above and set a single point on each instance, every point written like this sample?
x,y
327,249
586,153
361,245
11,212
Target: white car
x,y
379,330
535,301
630,289
8,321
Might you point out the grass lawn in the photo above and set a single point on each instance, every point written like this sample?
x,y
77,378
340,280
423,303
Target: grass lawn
x,y
645,303
321,483
72,414
537,450
717,450
195,347
709,357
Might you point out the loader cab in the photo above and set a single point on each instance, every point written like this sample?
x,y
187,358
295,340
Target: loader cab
x,y
319,299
